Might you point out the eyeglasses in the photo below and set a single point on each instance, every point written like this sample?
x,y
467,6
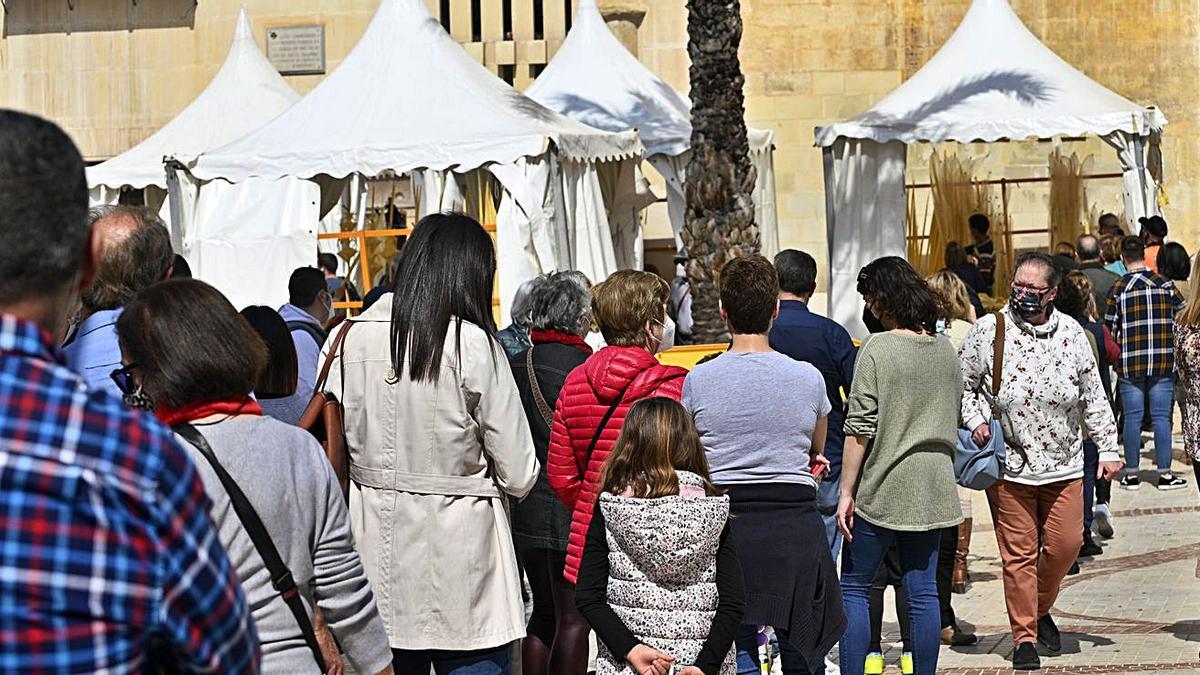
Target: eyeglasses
x,y
123,377
1031,289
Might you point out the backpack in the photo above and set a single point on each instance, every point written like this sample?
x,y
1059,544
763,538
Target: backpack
x,y
313,331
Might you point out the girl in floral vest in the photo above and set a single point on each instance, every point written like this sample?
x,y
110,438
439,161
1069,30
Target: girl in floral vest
x,y
659,581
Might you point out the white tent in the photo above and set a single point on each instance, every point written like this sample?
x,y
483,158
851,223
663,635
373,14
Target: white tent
x,y
245,94
992,81
595,80
409,99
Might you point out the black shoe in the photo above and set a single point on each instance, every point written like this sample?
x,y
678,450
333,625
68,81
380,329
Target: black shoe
x,y
1090,548
1169,481
1074,569
1025,657
1048,634
1130,481
952,635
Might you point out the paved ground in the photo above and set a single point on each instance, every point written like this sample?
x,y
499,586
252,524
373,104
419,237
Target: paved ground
x,y
1134,609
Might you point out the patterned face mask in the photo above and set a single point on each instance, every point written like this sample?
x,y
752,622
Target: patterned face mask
x,y
1028,303
138,399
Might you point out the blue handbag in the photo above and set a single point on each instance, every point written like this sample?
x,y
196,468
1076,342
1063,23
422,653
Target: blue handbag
x,y
975,467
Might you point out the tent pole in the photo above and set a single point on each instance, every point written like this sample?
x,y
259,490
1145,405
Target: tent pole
x,y
1008,230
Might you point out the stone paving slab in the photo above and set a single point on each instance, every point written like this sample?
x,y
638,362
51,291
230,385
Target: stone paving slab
x,y
1133,609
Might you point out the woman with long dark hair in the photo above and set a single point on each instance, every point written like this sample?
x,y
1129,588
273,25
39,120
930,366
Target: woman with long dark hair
x,y
904,402
188,356
277,383
431,416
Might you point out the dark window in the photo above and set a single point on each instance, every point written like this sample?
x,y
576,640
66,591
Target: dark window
x,y
508,73
535,69
539,20
476,21
445,14
568,14
506,14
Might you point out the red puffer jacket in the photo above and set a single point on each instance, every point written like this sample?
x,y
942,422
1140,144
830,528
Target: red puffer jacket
x,y
586,396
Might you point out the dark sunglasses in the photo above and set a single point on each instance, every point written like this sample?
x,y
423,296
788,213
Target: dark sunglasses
x,y
123,377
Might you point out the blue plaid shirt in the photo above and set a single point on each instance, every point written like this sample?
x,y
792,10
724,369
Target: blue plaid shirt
x,y
1141,315
109,561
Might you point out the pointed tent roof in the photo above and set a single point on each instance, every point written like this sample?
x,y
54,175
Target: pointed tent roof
x,y
245,94
994,80
594,79
406,97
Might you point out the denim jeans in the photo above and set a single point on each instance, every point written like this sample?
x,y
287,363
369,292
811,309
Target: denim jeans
x,y
918,566
1158,391
1091,464
494,661
827,502
791,662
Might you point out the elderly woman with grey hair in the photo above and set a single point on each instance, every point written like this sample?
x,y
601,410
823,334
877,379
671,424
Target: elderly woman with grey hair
x,y
515,338
560,314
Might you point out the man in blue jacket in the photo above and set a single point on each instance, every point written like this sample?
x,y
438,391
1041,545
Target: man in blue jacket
x,y
809,337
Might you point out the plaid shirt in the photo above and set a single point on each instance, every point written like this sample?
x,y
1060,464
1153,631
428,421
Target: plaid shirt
x,y
1141,315
109,561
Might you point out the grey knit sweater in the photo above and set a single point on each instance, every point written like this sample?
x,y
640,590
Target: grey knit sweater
x,y
287,479
906,395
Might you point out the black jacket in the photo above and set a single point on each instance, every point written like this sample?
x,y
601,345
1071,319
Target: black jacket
x,y
541,520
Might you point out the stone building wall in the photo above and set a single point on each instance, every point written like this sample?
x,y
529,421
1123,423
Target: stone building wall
x,y
811,62
113,72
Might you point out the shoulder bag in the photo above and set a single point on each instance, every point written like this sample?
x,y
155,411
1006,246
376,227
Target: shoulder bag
x,y
538,397
281,576
324,417
975,467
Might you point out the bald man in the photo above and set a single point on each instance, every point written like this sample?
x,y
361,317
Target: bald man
x,y
132,248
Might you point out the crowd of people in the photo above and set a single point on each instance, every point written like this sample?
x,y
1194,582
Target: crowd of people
x,y
167,510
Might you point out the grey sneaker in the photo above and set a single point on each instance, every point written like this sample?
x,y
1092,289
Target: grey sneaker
x,y
1103,519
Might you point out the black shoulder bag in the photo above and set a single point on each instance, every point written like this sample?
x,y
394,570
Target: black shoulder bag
x,y
281,576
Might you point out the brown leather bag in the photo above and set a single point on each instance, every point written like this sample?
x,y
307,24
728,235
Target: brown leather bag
x,y
325,418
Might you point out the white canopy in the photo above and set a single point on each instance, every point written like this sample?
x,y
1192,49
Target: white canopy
x,y
245,94
408,98
993,80
595,80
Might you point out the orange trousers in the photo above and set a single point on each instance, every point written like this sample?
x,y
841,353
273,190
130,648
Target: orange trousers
x,y
1039,529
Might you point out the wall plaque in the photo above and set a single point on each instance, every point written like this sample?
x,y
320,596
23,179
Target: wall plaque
x,y
297,50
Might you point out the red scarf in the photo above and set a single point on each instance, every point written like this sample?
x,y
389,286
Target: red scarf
x,y
543,336
171,416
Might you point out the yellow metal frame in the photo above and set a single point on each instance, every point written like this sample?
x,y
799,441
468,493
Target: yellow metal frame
x,y
363,264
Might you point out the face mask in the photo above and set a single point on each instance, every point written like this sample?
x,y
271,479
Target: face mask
x,y
668,336
138,399
1026,303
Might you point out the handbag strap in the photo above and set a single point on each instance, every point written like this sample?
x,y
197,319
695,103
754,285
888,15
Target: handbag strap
x,y
334,352
538,397
281,576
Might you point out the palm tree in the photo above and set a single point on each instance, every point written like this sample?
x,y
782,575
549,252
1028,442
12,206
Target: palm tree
x,y
719,224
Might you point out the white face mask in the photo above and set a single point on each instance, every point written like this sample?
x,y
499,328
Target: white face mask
x,y
668,336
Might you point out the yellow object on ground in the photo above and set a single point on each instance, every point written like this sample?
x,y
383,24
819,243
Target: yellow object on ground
x,y
687,356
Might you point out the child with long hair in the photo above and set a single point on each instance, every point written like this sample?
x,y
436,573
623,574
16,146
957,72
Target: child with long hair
x,y
659,581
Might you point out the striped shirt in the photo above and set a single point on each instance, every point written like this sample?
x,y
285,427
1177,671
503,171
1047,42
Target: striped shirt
x,y
109,561
1141,311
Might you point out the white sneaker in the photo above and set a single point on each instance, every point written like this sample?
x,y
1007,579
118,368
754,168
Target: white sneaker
x,y
1103,520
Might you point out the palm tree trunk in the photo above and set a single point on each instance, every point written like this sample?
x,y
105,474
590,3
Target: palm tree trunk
x,y
719,224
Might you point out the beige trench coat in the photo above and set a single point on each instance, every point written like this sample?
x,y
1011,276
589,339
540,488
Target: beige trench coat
x,y
430,465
